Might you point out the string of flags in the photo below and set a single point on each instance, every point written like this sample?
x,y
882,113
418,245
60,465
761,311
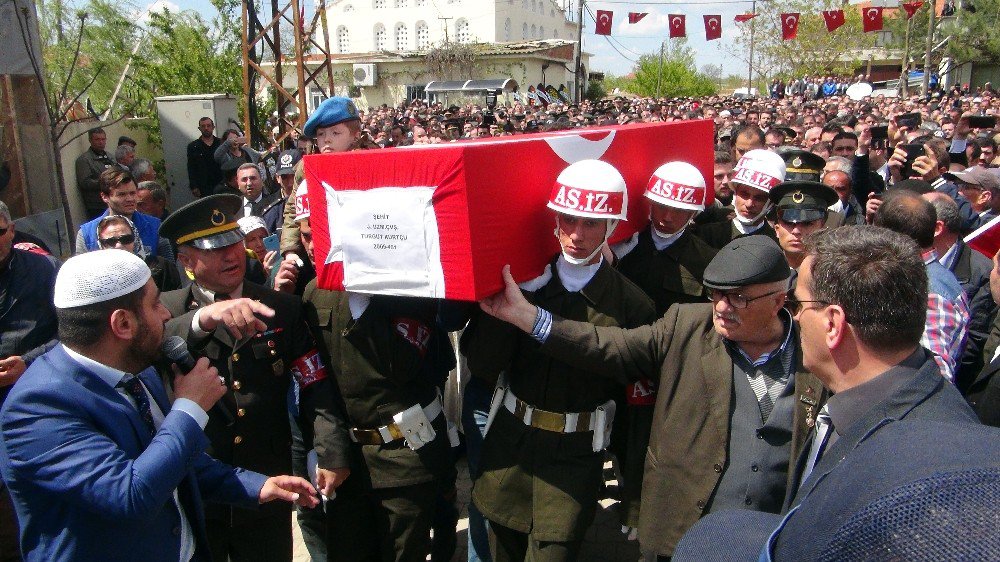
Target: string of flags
x,y
871,18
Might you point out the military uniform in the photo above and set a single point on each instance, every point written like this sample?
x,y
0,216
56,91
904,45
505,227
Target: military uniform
x,y
259,373
718,234
669,276
382,364
545,481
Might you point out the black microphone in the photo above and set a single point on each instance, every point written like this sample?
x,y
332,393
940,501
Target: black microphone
x,y
176,350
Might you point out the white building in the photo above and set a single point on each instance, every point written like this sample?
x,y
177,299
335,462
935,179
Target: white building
x,y
368,26
378,48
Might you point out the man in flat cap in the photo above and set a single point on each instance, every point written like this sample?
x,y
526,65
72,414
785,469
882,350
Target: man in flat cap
x,y
734,403
800,203
100,464
259,342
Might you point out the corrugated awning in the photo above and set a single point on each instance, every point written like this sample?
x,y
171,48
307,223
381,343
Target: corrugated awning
x,y
505,84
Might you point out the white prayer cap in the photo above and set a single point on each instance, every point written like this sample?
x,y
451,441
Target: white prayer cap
x,y
99,276
250,224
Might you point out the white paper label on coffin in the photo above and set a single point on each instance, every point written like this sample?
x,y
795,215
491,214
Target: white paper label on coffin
x,y
387,239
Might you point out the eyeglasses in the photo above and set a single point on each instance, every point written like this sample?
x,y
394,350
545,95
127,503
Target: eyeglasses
x,y
738,300
796,306
124,240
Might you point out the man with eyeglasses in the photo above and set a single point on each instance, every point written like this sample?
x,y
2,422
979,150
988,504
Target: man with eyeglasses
x,y
734,404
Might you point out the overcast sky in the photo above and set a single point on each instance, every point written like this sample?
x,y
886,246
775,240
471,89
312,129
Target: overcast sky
x,y
631,40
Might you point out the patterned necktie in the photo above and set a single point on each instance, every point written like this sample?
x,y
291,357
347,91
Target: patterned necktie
x,y
133,387
822,435
764,388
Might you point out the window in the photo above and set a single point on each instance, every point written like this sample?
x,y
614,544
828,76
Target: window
x,y
462,32
423,36
524,31
380,38
421,3
541,32
402,3
380,4
343,40
348,8
506,30
534,31
534,5
524,4
402,37
316,97
414,92
555,32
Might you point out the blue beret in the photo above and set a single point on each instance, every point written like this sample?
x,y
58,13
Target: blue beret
x,y
332,111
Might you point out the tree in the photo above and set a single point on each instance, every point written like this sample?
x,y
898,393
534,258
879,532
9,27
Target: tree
x,y
814,50
672,75
973,33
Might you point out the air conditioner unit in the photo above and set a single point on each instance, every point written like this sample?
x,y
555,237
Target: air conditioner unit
x,y
364,74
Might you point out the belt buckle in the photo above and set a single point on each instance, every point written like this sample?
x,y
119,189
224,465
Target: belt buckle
x,y
549,421
394,431
523,411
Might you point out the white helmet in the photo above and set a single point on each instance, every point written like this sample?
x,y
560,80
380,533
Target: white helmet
x,y
760,169
677,184
301,202
591,189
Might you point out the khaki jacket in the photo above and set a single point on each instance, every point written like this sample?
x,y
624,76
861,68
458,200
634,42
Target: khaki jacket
x,y
688,446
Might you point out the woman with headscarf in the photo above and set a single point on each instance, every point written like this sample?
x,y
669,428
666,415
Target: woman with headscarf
x,y
117,231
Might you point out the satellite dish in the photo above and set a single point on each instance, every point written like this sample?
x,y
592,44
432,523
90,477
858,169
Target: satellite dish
x,y
859,91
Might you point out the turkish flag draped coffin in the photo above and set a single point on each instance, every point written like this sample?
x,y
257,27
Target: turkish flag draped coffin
x,y
441,220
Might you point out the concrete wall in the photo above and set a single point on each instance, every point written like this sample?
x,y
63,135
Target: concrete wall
x,y
77,146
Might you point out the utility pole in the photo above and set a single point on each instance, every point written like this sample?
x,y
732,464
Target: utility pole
x,y
445,20
904,74
753,10
579,79
930,46
659,71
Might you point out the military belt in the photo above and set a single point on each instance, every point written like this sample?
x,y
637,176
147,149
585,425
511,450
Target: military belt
x,y
571,422
392,432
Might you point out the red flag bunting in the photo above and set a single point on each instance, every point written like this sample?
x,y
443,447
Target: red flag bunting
x,y
603,19
713,27
911,8
789,26
677,25
743,18
872,18
635,17
834,19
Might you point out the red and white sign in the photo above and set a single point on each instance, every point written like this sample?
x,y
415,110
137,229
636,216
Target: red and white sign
x,y
833,19
713,27
603,22
911,8
683,196
872,19
578,200
678,27
442,220
309,369
789,26
636,17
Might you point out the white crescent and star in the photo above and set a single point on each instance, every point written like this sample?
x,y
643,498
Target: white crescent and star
x,y
676,21
713,22
872,13
605,19
791,20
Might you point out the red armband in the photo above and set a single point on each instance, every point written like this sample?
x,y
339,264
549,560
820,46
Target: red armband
x,y
641,393
309,369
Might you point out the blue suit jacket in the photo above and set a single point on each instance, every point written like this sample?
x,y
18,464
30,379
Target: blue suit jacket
x,y
87,480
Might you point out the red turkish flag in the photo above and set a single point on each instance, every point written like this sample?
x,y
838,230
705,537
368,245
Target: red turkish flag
x,y
713,27
743,18
833,19
441,220
911,8
677,25
635,17
603,19
872,17
789,26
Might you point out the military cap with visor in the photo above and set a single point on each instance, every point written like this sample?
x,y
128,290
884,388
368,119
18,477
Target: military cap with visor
x,y
801,197
208,223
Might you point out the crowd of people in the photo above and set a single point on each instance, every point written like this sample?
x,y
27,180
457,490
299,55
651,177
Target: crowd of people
x,y
739,358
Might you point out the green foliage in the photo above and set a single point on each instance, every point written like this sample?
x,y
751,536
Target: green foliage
x,y
595,91
814,50
974,35
673,75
